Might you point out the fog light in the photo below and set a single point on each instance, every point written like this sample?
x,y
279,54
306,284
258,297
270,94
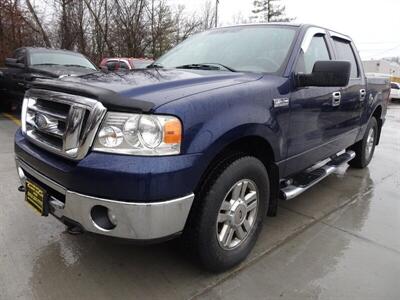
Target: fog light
x,y
102,218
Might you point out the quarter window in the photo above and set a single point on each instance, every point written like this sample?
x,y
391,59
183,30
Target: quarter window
x,y
344,51
123,65
316,51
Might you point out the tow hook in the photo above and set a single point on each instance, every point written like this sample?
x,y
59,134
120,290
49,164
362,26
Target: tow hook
x,y
75,230
21,188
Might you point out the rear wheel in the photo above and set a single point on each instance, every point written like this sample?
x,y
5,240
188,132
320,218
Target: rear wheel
x,y
365,148
229,215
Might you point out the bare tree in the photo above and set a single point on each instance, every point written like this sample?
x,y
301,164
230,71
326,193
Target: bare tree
x,y
99,11
185,25
209,16
39,24
100,28
239,18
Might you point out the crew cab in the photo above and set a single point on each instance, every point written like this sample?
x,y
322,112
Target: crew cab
x,y
205,141
28,64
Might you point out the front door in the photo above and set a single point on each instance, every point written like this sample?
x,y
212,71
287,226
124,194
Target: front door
x,y
314,110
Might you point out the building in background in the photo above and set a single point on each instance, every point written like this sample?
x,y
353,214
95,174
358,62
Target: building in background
x,y
382,66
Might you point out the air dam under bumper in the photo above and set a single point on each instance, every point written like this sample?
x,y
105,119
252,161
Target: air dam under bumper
x,y
136,221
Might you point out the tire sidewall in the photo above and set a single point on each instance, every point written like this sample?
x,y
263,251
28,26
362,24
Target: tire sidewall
x,y
372,124
243,168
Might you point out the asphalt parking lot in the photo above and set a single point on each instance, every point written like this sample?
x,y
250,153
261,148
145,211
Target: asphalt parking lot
x,y
339,240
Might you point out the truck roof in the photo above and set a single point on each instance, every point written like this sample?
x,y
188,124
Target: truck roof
x,y
285,24
42,49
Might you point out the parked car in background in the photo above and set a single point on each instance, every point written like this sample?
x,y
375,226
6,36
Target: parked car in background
x,y
28,64
202,143
124,63
395,90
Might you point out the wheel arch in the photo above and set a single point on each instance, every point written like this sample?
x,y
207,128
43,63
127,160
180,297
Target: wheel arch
x,y
250,145
377,114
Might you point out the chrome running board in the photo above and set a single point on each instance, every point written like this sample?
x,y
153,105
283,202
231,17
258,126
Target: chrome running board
x,y
305,180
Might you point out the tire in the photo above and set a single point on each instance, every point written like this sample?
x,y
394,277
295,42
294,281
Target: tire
x,y
365,148
221,234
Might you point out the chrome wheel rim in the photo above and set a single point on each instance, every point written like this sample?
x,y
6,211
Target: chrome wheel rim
x,y
370,143
237,214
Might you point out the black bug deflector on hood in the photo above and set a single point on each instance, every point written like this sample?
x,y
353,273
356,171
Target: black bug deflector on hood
x,y
109,98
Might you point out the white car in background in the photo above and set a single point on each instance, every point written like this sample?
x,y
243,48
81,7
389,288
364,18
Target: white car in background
x,y
395,90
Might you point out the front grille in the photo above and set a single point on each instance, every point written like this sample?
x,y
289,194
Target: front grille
x,y
62,123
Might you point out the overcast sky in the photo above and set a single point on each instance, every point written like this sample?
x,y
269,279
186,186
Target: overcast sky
x,y
374,25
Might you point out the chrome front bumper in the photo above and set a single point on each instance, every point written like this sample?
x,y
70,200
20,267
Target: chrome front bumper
x,y
137,221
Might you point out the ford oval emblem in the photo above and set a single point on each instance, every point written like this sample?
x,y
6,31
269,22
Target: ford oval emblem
x,y
41,121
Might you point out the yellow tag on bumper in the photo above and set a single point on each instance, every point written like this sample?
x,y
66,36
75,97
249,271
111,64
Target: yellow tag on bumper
x,y
35,196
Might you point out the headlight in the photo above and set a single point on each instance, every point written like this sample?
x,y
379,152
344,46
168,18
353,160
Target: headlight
x,y
137,134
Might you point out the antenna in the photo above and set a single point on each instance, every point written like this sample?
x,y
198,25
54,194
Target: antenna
x,y
216,12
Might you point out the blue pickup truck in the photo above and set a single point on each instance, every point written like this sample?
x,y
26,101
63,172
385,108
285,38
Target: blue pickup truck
x,y
204,142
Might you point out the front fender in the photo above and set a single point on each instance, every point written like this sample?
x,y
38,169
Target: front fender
x,y
215,119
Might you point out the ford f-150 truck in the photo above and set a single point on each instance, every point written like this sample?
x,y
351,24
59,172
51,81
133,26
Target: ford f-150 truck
x,y
203,143
28,64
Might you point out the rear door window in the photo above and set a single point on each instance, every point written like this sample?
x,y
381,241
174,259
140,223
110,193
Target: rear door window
x,y
344,51
123,65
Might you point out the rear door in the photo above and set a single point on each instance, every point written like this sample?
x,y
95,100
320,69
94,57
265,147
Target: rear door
x,y
354,95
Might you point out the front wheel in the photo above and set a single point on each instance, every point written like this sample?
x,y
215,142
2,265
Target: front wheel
x,y
230,212
365,148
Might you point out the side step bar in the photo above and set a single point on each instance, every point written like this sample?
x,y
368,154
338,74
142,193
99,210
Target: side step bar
x,y
304,180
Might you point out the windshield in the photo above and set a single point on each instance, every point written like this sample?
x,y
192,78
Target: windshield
x,y
247,48
65,59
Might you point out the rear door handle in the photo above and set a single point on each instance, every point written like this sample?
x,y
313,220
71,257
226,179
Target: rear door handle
x,y
363,94
336,98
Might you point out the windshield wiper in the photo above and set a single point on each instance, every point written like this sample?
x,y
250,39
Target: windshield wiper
x,y
78,66
155,66
207,66
46,64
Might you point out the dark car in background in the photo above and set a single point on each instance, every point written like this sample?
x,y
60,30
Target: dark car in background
x,y
28,64
125,63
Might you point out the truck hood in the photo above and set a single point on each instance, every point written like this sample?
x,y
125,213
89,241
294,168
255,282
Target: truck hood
x,y
145,90
57,71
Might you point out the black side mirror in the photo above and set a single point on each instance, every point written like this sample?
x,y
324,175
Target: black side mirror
x,y
326,73
14,63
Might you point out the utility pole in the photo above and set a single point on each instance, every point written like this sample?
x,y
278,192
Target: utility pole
x,y
216,12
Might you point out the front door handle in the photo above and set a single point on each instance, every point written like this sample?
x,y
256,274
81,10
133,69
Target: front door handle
x,y
336,98
363,94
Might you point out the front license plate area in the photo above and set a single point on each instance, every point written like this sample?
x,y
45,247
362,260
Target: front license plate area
x,y
36,197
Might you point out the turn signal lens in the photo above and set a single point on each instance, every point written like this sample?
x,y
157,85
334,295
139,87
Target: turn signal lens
x,y
173,132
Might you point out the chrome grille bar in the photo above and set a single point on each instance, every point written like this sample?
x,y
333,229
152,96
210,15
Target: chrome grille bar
x,y
61,123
